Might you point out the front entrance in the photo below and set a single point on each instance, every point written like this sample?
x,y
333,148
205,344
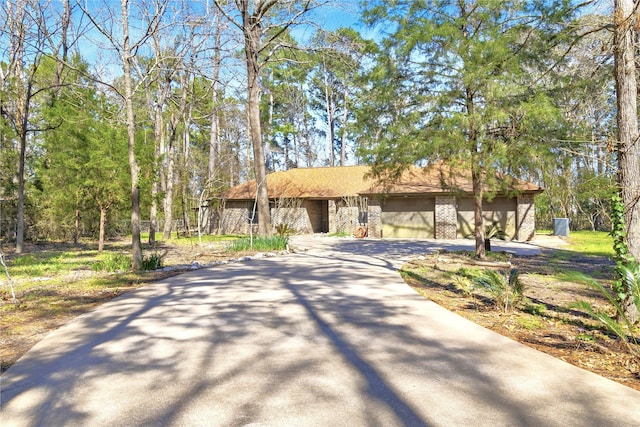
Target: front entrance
x,y
318,211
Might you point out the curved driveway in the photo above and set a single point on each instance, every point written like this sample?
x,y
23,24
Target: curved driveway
x,y
326,337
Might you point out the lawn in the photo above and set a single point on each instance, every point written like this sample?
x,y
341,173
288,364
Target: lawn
x,y
598,243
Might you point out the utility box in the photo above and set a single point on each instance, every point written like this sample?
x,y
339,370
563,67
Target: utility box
x,y
561,227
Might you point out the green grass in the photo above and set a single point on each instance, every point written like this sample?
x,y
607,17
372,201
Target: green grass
x,y
113,261
49,263
193,240
598,243
531,323
275,243
535,309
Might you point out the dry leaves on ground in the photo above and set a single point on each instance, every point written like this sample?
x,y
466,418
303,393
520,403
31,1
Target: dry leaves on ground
x,y
547,321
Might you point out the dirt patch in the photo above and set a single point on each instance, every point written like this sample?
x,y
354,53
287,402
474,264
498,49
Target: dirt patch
x,y
546,321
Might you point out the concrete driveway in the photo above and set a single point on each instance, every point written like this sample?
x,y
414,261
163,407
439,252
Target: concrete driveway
x,y
330,336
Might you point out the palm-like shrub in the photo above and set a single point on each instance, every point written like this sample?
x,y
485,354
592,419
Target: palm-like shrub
x,y
618,323
505,287
284,229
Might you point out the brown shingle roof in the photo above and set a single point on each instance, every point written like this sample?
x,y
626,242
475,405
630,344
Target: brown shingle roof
x,y
346,181
309,183
439,178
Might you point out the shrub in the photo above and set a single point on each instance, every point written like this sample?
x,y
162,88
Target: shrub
x,y
494,231
463,284
618,323
152,262
505,287
284,230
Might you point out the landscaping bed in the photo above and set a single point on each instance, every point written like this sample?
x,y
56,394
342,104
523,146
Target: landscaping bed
x,y
546,319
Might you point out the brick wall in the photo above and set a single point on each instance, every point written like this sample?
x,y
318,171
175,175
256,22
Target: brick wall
x,y
296,218
446,217
347,219
235,218
374,224
526,218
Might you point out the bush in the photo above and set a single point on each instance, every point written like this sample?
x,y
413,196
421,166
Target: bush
x,y
464,285
618,323
152,262
284,230
505,288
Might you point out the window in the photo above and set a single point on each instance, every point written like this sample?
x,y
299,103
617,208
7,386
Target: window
x,y
252,213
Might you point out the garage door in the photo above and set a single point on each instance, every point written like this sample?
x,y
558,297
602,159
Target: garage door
x,y
500,211
408,217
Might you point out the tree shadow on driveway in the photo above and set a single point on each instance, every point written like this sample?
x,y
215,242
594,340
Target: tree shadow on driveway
x,y
317,338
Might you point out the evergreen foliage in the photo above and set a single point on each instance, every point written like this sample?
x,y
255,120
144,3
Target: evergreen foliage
x,y
83,167
461,82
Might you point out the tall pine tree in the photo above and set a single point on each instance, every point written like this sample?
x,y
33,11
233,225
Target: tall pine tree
x,y
456,80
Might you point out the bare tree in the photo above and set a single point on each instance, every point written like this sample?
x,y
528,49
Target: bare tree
x,y
262,22
127,48
165,66
214,138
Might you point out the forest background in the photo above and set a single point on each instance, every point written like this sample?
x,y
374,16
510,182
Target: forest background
x,y
122,117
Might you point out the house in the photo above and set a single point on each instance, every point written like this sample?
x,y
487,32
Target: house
x,y
432,202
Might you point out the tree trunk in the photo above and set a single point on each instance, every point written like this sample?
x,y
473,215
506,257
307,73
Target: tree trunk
x,y
214,138
345,116
478,194
625,21
476,175
158,135
328,99
103,222
15,70
76,227
168,199
24,102
186,144
20,225
127,58
627,120
252,38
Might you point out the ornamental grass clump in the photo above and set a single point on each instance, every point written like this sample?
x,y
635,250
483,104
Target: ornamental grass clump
x,y
274,243
285,230
112,262
151,262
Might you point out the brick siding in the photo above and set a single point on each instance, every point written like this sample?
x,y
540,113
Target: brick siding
x,y
446,217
